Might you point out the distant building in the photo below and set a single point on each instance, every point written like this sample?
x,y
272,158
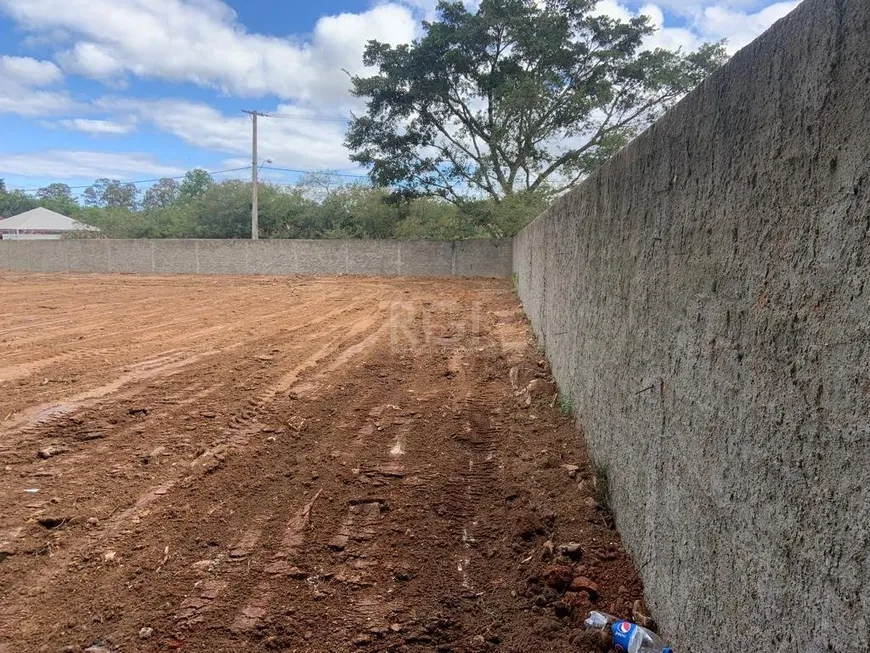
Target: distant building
x,y
40,224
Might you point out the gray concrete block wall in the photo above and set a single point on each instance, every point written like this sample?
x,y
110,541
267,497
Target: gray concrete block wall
x,y
475,258
128,256
182,257
484,258
705,299
439,258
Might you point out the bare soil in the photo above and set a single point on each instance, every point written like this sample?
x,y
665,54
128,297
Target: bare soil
x,y
259,464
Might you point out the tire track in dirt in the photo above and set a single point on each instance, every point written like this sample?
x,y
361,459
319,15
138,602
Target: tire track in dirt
x,y
250,598
281,564
162,366
305,318
21,370
342,348
41,417
253,608
362,535
217,507
468,486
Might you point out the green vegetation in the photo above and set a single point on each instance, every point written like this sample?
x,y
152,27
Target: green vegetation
x,y
317,207
602,485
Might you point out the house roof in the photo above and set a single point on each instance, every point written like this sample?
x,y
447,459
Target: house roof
x,y
41,220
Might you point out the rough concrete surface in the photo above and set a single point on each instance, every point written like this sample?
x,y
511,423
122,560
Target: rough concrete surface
x,y
471,258
703,300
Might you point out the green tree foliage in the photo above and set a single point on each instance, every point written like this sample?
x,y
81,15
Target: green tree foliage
x,y
285,213
306,210
319,206
507,216
15,202
223,211
60,192
433,218
521,96
58,198
196,183
111,194
359,212
113,222
161,195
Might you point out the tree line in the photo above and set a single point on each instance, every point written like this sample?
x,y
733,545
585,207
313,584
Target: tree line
x,y
320,205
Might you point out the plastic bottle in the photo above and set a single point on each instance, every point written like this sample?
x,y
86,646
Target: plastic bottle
x,y
627,636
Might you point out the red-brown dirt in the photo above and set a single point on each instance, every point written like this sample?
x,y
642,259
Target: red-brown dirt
x,y
258,464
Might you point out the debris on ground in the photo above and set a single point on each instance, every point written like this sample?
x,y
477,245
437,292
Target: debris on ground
x,y
49,452
623,635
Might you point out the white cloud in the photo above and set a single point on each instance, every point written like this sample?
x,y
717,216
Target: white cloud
x,y
22,87
30,103
97,127
52,39
307,144
671,38
705,20
88,165
613,9
91,60
201,42
427,9
740,28
28,71
690,7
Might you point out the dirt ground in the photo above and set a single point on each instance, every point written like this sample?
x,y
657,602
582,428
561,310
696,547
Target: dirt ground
x,y
290,464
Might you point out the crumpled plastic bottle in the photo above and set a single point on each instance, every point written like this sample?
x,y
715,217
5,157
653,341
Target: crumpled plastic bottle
x,y
628,637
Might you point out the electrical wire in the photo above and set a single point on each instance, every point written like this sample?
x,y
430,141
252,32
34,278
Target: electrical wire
x,y
307,172
215,172
290,116
142,181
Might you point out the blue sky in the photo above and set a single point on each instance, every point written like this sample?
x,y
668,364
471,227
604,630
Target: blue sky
x,y
139,89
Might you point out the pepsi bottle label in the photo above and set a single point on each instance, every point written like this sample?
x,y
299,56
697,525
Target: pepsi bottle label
x,y
623,633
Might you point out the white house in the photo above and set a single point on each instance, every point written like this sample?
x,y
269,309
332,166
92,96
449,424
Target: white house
x,y
39,224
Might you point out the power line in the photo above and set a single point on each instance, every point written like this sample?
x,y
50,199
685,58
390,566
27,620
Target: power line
x,y
212,172
290,116
142,181
307,172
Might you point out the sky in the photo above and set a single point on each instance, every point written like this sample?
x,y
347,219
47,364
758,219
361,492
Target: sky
x,y
141,89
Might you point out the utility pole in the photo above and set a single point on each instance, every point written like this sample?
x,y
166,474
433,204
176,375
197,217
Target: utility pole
x,y
255,169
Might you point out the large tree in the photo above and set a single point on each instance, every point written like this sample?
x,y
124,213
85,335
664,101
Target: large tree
x,y
61,192
195,185
161,195
14,202
112,194
522,95
58,197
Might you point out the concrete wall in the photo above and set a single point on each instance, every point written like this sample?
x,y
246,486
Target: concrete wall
x,y
477,258
705,299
